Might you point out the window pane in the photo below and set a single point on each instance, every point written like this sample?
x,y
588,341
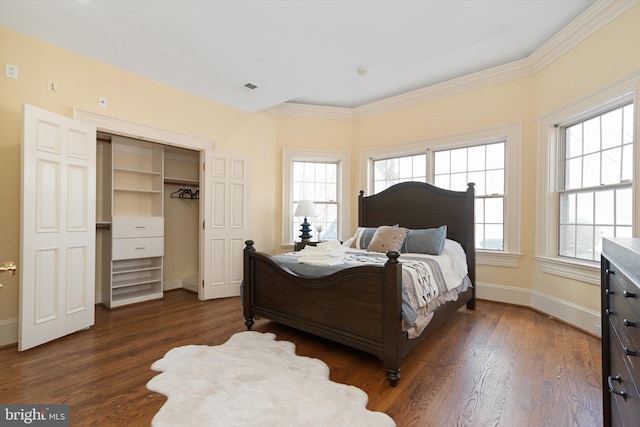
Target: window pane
x,y
584,208
442,162
567,241
567,208
493,238
494,209
628,124
478,179
459,160
420,166
459,181
405,168
611,166
495,182
624,206
624,232
479,207
627,162
591,135
584,242
604,208
476,158
573,176
442,181
591,172
495,156
574,140
612,129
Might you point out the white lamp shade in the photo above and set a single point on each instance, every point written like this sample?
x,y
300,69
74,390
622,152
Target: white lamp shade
x,y
305,208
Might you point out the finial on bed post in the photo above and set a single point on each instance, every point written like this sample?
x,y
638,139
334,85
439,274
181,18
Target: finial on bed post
x,y
393,257
249,244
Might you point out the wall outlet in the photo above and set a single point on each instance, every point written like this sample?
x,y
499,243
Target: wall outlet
x,y
11,71
52,85
102,102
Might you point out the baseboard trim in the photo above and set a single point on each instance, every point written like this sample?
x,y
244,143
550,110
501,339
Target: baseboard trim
x,y
171,285
577,316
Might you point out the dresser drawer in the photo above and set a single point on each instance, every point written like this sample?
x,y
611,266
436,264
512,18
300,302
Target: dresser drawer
x,y
138,248
137,226
621,380
620,283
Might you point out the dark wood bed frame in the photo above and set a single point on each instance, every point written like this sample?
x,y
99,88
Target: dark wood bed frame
x,y
362,306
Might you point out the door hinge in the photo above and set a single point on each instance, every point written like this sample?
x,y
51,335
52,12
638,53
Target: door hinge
x,y
203,224
203,167
202,283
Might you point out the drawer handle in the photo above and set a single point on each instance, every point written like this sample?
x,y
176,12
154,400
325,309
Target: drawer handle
x,y
612,389
628,294
141,226
141,247
609,312
609,292
609,271
629,323
630,352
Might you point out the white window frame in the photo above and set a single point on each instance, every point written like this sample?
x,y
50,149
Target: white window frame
x,y
549,158
511,134
343,159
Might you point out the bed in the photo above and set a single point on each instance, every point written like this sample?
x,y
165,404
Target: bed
x,y
361,306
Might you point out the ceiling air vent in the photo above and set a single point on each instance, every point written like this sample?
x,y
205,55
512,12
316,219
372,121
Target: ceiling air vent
x,y
250,86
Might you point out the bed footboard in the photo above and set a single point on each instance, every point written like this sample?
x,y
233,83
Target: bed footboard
x,y
360,306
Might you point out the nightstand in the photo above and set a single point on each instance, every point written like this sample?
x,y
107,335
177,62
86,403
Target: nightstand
x,y
298,246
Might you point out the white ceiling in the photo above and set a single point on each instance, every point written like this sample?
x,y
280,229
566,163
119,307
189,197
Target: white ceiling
x,y
295,51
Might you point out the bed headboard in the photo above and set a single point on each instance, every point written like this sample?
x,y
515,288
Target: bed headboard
x,y
419,205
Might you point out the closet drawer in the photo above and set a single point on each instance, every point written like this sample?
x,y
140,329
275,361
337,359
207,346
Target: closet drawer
x,y
137,226
138,248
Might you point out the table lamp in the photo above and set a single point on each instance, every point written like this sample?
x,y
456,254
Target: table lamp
x,y
305,208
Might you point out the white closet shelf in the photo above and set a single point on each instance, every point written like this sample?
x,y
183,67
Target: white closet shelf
x,y
121,270
180,181
137,171
135,190
134,282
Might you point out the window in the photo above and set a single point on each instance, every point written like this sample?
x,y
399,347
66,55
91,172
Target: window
x,y
318,182
484,166
586,171
596,196
488,157
322,177
387,172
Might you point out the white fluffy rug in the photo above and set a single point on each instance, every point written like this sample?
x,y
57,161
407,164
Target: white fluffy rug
x,y
254,380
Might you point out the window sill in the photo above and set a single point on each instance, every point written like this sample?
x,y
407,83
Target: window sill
x,y
500,259
583,271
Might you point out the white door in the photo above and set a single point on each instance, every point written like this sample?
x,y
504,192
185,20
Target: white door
x,y
225,229
57,281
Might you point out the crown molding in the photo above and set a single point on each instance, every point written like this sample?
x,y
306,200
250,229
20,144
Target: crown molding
x,y
599,14
315,111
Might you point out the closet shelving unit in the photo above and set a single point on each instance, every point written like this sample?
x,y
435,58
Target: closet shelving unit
x,y
137,222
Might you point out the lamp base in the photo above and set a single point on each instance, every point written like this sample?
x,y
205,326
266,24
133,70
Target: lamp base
x,y
306,231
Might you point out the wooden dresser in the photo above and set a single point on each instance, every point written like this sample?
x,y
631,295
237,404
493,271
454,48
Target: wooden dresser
x,y
621,331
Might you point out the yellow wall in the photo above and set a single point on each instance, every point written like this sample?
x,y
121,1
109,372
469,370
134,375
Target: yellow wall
x,y
607,55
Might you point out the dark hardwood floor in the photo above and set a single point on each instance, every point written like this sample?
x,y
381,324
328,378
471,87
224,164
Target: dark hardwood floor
x,y
500,365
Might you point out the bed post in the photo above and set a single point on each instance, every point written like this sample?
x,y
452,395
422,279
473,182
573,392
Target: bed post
x,y
470,244
247,284
393,317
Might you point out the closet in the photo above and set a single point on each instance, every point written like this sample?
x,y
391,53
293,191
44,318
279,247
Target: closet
x,y
147,239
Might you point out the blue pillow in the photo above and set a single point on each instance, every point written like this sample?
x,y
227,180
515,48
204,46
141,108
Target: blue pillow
x,y
363,237
428,241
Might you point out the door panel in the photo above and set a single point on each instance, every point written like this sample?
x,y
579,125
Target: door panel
x,y
225,225
57,227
